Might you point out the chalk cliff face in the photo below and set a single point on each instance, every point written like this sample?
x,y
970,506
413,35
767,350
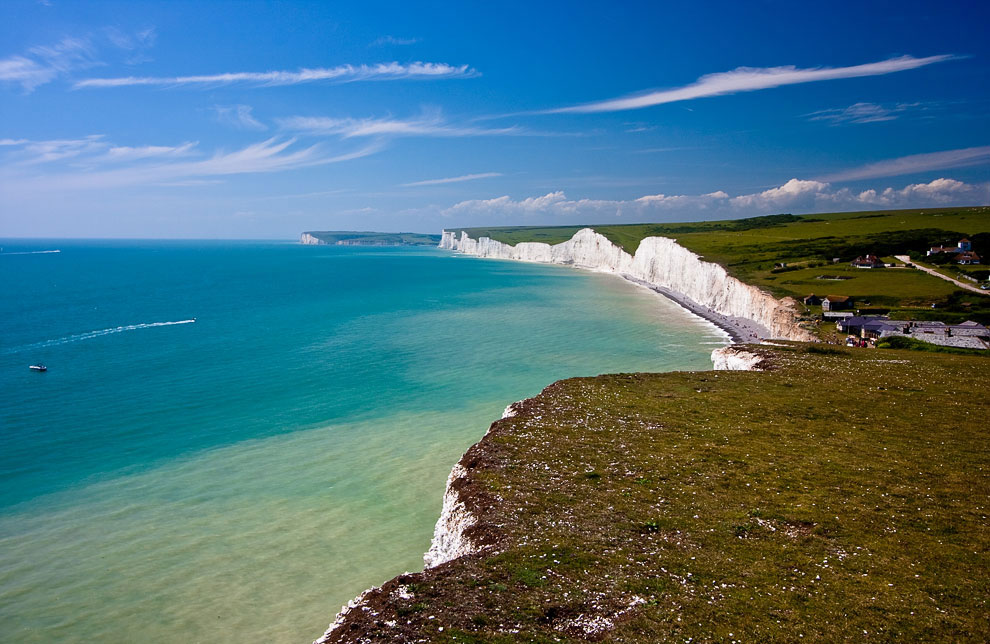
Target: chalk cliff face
x,y
660,262
449,541
309,240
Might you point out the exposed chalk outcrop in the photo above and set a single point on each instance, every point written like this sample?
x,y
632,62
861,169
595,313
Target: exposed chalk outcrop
x,y
358,603
309,240
449,540
660,262
735,359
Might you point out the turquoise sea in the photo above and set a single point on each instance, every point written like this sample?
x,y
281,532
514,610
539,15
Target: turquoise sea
x,y
235,438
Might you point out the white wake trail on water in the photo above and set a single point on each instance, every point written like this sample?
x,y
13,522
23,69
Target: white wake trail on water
x,y
32,252
89,335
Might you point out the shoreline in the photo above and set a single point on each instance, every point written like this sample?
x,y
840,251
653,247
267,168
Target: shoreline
x,y
740,330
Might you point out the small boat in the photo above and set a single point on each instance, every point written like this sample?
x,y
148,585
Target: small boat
x,y
38,367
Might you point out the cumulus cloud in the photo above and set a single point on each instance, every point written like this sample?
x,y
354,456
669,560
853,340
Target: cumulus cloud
x,y
915,163
341,73
796,195
748,79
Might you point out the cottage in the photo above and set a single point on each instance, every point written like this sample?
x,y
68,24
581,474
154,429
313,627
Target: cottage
x,y
836,315
927,328
812,300
876,329
962,246
852,325
836,302
969,328
968,257
869,261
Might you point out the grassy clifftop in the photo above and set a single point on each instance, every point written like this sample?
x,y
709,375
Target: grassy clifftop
x,y
842,495
737,239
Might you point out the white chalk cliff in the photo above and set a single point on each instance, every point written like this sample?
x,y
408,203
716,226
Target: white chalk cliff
x,y
660,262
309,240
449,541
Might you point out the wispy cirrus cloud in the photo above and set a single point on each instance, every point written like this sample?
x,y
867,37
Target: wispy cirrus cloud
x,y
43,64
749,79
463,177
915,163
123,153
136,44
99,165
341,73
238,116
862,113
796,195
89,150
428,125
36,152
392,40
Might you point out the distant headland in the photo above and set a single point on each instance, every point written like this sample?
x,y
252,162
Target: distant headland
x,y
355,238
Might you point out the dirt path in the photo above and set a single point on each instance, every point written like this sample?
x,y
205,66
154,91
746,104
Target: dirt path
x,y
968,287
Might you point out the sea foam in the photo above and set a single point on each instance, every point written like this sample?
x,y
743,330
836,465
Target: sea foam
x,y
89,335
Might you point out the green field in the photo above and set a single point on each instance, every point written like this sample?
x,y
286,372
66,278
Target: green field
x,y
840,496
750,248
374,239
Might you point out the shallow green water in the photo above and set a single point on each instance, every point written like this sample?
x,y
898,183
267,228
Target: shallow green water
x,y
245,474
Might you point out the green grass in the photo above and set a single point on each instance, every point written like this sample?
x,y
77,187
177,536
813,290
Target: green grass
x,y
841,496
749,248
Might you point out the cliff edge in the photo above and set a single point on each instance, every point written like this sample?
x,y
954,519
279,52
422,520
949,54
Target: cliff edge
x,y
713,506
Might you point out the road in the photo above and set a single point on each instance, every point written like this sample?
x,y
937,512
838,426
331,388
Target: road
x,y
968,287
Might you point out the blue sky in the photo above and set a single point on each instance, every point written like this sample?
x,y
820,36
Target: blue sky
x,y
261,120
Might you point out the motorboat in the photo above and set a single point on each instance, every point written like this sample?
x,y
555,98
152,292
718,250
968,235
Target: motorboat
x,y
38,367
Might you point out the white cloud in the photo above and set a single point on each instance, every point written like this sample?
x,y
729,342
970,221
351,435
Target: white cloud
x,y
795,195
40,65
35,152
428,125
794,191
238,116
342,73
124,153
44,63
161,165
392,40
915,163
136,44
862,113
748,79
938,192
463,177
